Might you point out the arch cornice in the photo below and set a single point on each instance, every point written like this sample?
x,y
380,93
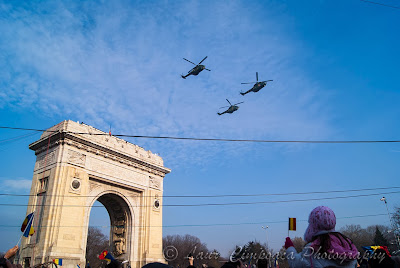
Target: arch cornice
x,y
74,140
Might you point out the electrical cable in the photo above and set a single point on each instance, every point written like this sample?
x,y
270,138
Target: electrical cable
x,y
4,144
216,204
18,137
201,225
213,139
221,195
380,4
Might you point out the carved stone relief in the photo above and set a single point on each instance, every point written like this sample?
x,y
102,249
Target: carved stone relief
x,y
93,186
119,227
108,168
43,160
77,158
154,183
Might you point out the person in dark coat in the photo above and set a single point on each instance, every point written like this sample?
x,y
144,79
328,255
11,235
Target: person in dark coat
x,y
156,265
381,259
114,264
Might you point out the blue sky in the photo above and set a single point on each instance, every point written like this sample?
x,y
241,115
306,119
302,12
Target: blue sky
x,y
335,70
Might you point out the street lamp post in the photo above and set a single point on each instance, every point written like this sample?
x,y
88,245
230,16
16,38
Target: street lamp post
x,y
266,236
266,240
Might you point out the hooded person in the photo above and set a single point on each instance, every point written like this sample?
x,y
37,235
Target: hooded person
x,y
325,247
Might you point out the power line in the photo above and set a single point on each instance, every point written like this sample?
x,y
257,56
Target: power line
x,y
221,195
6,142
209,139
216,204
18,137
380,4
33,129
198,225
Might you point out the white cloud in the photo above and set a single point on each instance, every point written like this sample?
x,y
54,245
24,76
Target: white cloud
x,y
115,64
17,185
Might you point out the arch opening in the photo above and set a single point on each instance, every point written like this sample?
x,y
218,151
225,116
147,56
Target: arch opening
x,y
98,232
119,221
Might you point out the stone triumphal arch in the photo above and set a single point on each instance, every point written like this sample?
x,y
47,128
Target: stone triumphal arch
x,y
77,165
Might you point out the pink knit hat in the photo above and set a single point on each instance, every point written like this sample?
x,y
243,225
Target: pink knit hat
x,y
321,220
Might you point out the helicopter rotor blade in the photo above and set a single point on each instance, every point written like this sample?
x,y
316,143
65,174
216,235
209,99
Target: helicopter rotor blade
x,y
229,102
207,69
239,103
267,81
257,76
202,60
224,107
248,83
190,61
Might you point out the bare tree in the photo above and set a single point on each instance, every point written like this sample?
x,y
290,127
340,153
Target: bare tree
x,y
358,235
387,233
96,243
394,232
367,237
283,263
396,218
253,251
298,243
372,229
178,247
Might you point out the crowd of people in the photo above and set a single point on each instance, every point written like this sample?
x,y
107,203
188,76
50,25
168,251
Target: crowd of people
x,y
325,248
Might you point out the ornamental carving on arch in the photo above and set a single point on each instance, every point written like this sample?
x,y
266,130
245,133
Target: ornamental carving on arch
x,y
154,182
46,160
118,229
93,186
77,158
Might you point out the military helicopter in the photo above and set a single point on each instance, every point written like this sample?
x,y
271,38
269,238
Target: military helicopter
x,y
257,86
196,69
231,108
